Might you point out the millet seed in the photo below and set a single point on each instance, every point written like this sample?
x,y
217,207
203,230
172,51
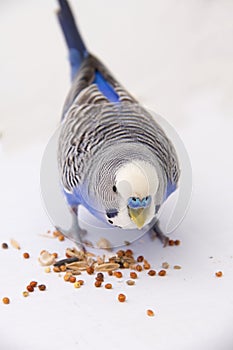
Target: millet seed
x,y
98,284
72,279
90,270
6,300
56,269
118,274
81,282
33,284
165,265
150,312
63,268
42,287
30,288
108,286
121,297
120,253
25,293
130,282
177,242
152,273
162,273
26,255
171,242
129,253
133,275
176,267
47,269
138,268
140,258
4,246
219,274
146,266
77,284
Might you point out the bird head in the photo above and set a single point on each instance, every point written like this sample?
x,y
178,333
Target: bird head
x,y
135,187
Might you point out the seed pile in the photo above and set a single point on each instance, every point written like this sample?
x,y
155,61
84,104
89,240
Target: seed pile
x,y
120,267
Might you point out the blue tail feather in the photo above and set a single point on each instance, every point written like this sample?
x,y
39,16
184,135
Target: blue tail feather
x,y
76,46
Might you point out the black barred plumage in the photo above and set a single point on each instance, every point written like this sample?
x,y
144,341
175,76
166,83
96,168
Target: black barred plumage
x,y
110,148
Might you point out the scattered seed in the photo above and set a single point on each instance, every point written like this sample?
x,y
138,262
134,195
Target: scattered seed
x,y
120,253
42,287
138,268
165,265
110,273
129,253
171,242
130,282
33,284
67,277
81,282
219,274
72,279
133,275
98,284
162,273
56,269
30,288
140,258
77,284
150,312
90,270
26,255
126,265
100,276
15,244
47,269
55,255
25,293
45,258
121,297
108,286
146,265
177,267
61,238
152,273
63,268
4,246
6,300
118,274
177,242
56,233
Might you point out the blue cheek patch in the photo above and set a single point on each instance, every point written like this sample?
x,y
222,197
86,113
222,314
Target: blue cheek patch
x,y
136,203
111,213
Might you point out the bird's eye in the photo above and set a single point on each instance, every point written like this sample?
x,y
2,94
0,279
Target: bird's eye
x,y
134,199
114,188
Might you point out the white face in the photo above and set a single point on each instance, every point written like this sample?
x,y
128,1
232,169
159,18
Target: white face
x,y
136,179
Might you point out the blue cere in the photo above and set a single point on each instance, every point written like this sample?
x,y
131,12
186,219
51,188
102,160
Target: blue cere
x,y
135,203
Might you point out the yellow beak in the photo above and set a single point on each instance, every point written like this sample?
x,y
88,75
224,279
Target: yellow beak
x,y
138,216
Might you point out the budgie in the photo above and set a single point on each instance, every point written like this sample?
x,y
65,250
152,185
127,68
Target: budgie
x,y
113,157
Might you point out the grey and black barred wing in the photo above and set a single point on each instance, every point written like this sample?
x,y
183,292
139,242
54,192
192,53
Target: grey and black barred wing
x,y
84,90
90,129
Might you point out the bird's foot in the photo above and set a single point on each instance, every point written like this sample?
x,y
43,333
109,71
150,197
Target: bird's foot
x,y
156,232
76,234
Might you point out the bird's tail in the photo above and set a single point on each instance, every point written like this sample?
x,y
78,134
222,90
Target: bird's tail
x,y
76,46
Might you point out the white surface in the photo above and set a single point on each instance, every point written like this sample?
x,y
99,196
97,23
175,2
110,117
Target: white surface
x,y
177,58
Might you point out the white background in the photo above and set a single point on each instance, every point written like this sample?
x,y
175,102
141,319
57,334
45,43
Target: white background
x,y
176,57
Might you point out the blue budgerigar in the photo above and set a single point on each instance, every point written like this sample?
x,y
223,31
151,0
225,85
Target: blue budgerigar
x,y
113,157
